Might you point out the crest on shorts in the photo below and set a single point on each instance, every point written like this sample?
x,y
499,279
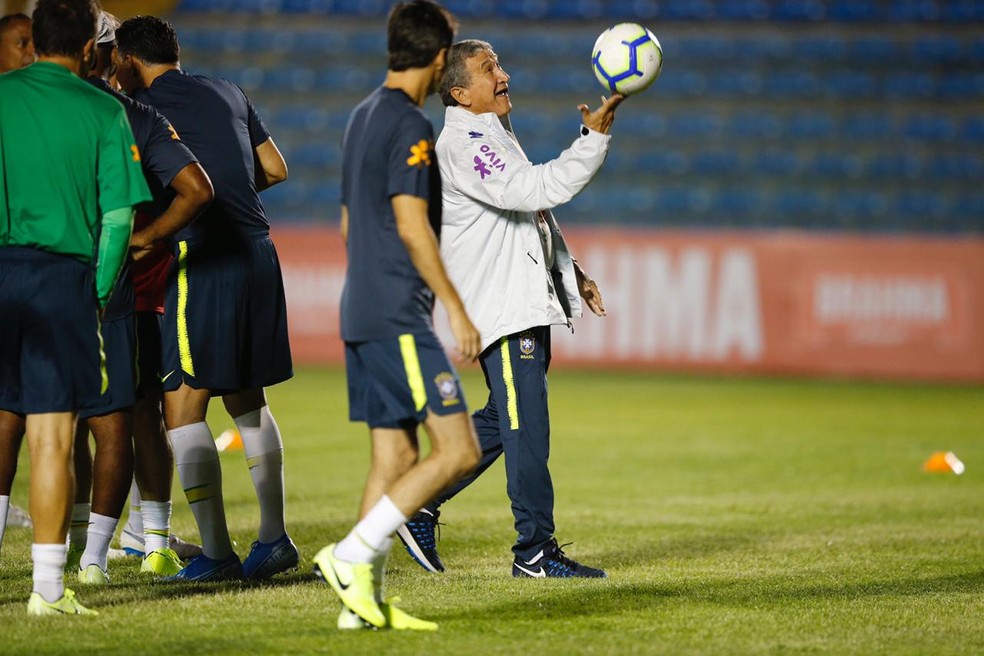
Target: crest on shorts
x,y
527,343
447,388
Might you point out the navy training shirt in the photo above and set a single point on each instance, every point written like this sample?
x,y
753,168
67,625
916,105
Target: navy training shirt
x,y
162,156
219,125
387,150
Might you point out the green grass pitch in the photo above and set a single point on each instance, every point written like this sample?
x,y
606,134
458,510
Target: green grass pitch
x,y
733,516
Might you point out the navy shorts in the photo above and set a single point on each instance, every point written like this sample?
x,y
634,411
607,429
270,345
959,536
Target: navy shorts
x,y
49,333
119,345
393,383
225,318
148,325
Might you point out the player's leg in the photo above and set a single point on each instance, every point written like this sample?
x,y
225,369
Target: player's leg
x,y
419,534
149,524
112,471
200,473
274,551
11,435
49,439
78,527
49,344
148,530
521,388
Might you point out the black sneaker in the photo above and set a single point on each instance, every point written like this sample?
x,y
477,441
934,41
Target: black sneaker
x,y
552,563
417,536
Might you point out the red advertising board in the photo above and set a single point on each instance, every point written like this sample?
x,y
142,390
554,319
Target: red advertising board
x,y
757,302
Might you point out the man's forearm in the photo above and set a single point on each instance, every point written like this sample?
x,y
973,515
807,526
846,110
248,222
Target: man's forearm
x,y
114,241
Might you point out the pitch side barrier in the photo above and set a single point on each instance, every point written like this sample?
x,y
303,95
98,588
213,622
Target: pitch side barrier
x,y
782,302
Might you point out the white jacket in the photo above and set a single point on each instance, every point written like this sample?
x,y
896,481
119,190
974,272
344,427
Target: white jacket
x,y
489,242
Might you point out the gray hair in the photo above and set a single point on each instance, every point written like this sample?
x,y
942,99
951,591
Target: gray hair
x,y
456,70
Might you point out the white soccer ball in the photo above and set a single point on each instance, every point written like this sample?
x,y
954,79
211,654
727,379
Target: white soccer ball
x,y
627,58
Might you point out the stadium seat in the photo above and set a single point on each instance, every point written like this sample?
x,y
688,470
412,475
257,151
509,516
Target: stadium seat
x,y
851,84
854,11
835,165
792,84
800,10
866,126
973,129
811,125
736,82
930,127
662,161
776,163
755,125
909,84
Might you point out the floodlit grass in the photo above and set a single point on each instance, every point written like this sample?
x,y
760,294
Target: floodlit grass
x,y
733,516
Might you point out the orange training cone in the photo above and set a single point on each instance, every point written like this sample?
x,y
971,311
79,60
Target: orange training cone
x,y
945,462
230,440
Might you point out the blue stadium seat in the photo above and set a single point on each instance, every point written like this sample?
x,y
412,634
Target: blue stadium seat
x,y
819,49
937,49
716,163
921,204
695,125
850,84
835,165
636,125
736,82
914,10
704,49
859,204
743,10
957,166
811,125
909,84
800,10
738,202
961,86
871,50
699,10
854,11
757,124
894,166
798,206
973,129
776,163
661,161
677,82
355,81
792,84
931,127
864,126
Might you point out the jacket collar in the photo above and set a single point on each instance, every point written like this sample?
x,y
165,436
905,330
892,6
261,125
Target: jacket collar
x,y
459,116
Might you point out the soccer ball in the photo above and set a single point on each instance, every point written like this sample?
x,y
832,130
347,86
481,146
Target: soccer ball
x,y
627,58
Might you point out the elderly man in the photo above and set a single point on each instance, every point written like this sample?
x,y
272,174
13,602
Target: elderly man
x,y
16,43
505,254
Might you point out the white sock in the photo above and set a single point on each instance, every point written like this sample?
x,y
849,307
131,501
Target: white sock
x,y
79,527
156,525
134,520
101,531
265,458
49,570
364,543
197,462
4,509
379,569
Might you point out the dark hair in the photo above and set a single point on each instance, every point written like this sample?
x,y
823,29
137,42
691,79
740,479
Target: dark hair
x,y
416,32
149,39
62,27
456,71
10,19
